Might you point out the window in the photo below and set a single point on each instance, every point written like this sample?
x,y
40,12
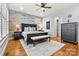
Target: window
x,y
3,21
0,21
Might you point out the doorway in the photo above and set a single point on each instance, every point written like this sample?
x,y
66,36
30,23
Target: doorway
x,y
57,27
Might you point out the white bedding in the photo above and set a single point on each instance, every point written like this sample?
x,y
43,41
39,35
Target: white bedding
x,y
29,32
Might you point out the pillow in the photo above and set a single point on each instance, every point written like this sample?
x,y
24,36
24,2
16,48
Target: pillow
x,y
29,28
26,29
33,28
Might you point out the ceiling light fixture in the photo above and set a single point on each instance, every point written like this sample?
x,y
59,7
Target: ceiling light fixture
x,y
43,9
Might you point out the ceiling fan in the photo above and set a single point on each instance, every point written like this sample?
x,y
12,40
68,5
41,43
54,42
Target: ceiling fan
x,y
43,6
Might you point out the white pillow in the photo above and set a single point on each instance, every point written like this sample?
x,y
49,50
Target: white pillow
x,y
34,29
26,29
29,28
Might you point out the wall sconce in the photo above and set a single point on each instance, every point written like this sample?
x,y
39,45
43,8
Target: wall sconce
x,y
69,17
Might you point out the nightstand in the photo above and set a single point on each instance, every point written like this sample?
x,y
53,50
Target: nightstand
x,y
18,35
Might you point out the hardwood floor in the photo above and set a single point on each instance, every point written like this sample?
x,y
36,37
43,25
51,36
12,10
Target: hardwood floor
x,y
14,48
68,50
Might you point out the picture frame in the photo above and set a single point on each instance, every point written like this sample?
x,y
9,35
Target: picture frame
x,y
48,25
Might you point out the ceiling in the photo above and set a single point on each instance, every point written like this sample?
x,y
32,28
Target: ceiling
x,y
31,8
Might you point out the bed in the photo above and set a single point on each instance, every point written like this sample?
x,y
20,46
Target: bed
x,y
31,35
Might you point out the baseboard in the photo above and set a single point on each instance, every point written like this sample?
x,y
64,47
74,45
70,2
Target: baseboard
x,y
70,42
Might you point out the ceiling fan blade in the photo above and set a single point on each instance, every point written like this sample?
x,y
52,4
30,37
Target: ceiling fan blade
x,y
43,4
47,7
37,5
38,9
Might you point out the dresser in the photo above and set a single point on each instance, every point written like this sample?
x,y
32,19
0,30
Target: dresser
x,y
69,32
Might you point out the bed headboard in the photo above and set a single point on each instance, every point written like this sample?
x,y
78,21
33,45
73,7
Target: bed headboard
x,y
28,25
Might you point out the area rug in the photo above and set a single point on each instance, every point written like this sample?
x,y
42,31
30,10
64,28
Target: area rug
x,y
42,49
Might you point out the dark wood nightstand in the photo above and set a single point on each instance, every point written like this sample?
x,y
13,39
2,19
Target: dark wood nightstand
x,y
18,35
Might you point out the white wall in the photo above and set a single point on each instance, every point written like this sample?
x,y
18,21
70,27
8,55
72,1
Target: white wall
x,y
63,15
51,30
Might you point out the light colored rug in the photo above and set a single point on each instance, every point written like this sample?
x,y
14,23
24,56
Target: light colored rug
x,y
42,49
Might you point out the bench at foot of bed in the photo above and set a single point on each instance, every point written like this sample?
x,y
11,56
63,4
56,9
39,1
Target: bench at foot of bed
x,y
38,39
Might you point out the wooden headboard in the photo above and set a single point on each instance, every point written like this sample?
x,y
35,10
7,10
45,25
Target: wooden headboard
x,y
28,25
